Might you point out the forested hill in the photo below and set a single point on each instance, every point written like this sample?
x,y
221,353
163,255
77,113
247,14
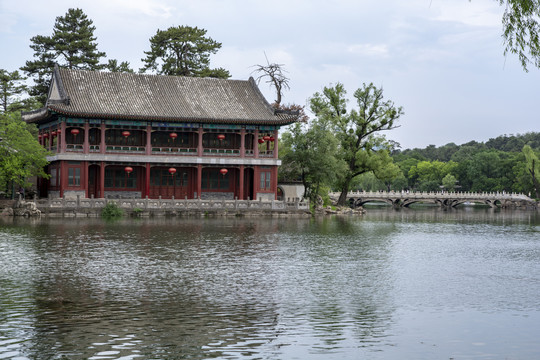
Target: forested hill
x,y
504,163
451,151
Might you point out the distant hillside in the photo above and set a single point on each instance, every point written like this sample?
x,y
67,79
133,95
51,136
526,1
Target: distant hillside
x,y
506,143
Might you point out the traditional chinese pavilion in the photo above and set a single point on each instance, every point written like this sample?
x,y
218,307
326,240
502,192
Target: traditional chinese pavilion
x,y
121,135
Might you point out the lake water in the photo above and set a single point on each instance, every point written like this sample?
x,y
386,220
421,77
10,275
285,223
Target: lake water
x,y
409,284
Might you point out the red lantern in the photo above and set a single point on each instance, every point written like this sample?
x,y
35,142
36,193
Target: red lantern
x,y
46,135
266,137
75,132
261,141
53,133
173,135
125,133
221,137
172,171
39,137
128,170
223,171
272,139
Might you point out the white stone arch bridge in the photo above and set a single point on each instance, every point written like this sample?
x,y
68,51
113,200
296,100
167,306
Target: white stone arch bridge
x,y
444,199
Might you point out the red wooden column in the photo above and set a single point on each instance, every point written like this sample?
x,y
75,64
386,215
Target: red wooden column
x,y
102,180
147,181
256,181
242,142
86,143
63,178
274,180
200,145
102,145
84,178
199,180
256,145
276,144
241,184
148,141
62,138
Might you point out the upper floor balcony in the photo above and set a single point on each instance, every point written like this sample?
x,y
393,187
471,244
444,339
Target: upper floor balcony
x,y
138,140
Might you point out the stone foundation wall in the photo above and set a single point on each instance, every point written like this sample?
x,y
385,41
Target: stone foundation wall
x,y
169,207
72,194
265,196
217,196
123,195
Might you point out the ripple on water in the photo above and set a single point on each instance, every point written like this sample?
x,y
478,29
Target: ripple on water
x,y
277,289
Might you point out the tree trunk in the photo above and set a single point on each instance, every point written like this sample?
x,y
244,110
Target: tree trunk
x,y
342,201
536,183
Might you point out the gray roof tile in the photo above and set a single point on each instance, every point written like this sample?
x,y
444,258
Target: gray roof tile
x,y
158,97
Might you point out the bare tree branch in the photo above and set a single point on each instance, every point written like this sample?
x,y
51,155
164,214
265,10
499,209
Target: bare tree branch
x,y
276,77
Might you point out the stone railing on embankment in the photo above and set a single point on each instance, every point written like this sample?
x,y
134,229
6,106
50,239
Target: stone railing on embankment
x,y
160,207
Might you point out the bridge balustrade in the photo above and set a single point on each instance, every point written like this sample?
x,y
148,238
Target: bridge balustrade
x,y
441,197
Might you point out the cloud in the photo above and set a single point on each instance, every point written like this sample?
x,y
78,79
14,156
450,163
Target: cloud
x,y
476,13
440,59
373,50
7,18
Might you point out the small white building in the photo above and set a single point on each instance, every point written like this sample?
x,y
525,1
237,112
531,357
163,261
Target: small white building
x,y
290,191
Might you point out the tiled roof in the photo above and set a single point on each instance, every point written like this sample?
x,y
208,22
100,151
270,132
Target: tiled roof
x,y
163,98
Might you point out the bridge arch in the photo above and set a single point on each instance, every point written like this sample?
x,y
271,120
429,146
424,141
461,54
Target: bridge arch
x,y
408,202
356,202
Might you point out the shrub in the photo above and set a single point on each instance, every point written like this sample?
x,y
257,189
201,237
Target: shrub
x,y
111,211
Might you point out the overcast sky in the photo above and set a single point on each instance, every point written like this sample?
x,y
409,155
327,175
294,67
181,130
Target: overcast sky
x,y
441,60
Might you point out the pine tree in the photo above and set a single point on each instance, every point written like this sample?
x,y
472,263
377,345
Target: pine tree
x,y
114,66
72,45
183,51
11,89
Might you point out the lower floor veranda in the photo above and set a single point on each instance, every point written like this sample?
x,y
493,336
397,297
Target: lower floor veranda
x,y
154,180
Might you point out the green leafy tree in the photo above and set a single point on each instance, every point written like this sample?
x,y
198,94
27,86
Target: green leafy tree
x,y
386,171
367,182
522,177
522,30
485,171
12,89
533,168
21,156
182,51
361,147
72,45
429,175
309,154
405,164
386,178
449,182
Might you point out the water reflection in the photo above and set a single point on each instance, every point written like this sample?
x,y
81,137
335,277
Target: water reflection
x,y
263,288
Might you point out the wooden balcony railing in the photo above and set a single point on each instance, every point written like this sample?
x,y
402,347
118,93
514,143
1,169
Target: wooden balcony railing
x,y
266,153
166,150
126,149
223,152
174,150
74,147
